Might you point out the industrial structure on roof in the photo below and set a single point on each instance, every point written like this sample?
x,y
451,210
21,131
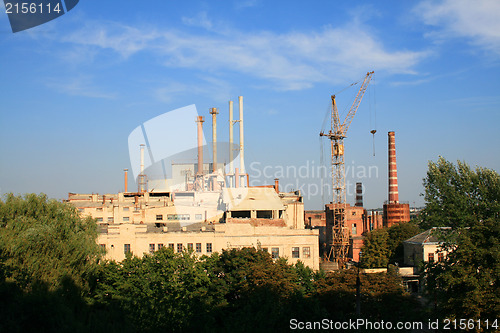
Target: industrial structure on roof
x,y
208,207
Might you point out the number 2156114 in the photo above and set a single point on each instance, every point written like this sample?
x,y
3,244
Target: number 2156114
x,y
32,8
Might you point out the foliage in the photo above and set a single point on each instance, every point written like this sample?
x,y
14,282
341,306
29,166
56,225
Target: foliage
x,y
467,283
44,241
47,253
397,234
375,252
382,294
458,196
384,246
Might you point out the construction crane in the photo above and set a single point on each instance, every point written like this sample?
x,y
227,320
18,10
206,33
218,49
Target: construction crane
x,y
337,235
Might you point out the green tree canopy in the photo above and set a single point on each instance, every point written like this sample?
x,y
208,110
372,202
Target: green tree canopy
x,y
467,283
458,196
44,241
375,252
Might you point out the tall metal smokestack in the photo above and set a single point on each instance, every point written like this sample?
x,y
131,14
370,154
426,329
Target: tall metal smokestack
x,y
126,179
214,113
231,167
200,121
142,159
393,170
142,177
359,195
242,146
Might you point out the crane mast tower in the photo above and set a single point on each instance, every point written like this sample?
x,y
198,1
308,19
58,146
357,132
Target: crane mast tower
x,y
337,233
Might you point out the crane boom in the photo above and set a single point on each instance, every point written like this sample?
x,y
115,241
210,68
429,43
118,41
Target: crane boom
x,y
336,232
357,101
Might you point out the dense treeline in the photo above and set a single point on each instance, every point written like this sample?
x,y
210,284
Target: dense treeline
x,y
53,278
467,202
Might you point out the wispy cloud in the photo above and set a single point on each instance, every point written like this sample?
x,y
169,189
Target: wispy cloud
x,y
200,20
285,61
78,86
479,21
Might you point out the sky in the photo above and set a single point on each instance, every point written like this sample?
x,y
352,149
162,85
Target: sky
x,y
73,89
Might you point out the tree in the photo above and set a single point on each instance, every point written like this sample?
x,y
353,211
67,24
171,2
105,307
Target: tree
x,y
375,252
45,241
397,234
47,253
458,196
466,284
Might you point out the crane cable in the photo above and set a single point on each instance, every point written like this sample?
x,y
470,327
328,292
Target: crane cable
x,y
374,128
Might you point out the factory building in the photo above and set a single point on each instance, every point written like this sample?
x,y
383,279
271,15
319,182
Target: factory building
x,y
203,207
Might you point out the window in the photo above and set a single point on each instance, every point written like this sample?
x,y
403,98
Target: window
x,y
99,219
103,247
209,247
431,257
126,209
440,257
160,246
190,246
264,214
354,213
151,248
198,247
159,217
171,245
81,210
126,219
240,214
99,209
178,217
179,248
126,248
295,252
275,252
354,229
306,252
110,219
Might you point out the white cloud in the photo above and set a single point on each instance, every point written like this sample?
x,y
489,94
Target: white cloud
x,y
78,86
200,20
478,21
285,61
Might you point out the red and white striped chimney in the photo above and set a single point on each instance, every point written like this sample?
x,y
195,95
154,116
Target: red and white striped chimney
x,y
359,195
393,170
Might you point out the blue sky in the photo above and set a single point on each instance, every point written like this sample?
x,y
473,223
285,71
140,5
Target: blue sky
x,y
73,89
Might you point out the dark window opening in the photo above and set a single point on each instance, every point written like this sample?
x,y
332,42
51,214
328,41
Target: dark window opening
x,y
264,214
275,252
240,214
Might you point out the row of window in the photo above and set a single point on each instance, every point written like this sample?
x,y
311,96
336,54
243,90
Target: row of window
x,y
180,247
170,217
440,257
275,252
197,247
